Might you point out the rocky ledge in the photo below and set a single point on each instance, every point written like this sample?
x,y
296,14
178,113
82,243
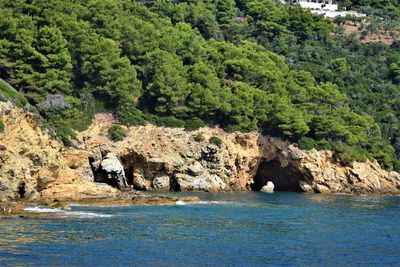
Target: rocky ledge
x,y
35,166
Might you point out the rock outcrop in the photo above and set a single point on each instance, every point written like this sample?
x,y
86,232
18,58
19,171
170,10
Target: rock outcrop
x,y
114,170
268,188
35,166
159,159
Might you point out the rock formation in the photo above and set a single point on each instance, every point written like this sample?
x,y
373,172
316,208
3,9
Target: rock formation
x,y
159,159
268,188
114,170
35,166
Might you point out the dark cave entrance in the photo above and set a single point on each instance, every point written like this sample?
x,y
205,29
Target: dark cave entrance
x,y
21,190
284,178
128,170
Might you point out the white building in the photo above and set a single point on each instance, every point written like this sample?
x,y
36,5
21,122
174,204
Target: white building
x,y
327,8
334,14
316,4
319,5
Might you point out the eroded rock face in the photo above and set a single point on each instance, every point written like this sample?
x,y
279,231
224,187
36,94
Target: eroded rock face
x,y
326,174
162,159
156,158
35,166
207,182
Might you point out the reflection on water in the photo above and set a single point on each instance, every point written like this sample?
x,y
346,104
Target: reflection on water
x,y
369,202
227,229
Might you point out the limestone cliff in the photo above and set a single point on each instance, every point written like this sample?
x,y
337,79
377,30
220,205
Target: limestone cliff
x,y
156,158
35,166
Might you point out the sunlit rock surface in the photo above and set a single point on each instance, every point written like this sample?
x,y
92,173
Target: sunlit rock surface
x,y
34,165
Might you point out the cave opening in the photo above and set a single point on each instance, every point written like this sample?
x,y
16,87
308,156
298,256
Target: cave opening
x,y
128,170
130,163
284,178
21,190
174,185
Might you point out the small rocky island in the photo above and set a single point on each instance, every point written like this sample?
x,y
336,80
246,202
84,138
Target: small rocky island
x,y
35,167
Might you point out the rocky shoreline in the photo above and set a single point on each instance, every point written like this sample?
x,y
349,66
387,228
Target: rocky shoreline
x,y
36,168
16,208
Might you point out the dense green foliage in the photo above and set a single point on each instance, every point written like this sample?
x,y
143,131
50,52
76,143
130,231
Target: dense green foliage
x,y
7,93
243,65
116,133
385,8
1,126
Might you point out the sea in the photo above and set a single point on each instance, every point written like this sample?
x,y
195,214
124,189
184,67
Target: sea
x,y
223,229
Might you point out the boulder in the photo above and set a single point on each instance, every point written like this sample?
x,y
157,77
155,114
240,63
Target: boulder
x,y
322,189
205,182
305,186
268,188
196,169
113,167
161,183
141,183
8,207
6,108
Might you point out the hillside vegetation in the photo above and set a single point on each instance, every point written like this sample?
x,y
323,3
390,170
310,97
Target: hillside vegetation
x,y
243,65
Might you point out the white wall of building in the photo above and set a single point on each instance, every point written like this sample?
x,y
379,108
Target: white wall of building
x,y
321,6
334,14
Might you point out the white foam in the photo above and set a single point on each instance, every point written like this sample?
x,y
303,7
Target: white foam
x,y
42,209
82,214
182,203
97,206
65,213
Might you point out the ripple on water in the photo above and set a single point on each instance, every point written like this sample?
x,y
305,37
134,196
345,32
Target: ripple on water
x,y
248,229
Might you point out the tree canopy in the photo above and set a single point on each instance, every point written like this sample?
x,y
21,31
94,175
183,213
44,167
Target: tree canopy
x,y
243,65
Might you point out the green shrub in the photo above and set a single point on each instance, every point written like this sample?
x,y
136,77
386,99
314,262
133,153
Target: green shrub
x,y
349,153
194,124
199,137
216,141
166,121
396,165
61,123
130,115
324,144
65,133
65,121
116,133
1,126
306,143
9,93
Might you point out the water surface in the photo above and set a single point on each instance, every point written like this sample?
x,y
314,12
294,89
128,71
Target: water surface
x,y
236,229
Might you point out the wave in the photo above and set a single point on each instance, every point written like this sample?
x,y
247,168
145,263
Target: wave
x,y
99,206
42,209
65,213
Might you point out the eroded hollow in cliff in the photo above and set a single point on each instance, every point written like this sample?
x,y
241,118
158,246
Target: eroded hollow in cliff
x,y
21,190
284,178
101,176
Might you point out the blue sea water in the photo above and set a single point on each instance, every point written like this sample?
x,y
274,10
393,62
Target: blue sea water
x,y
230,229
